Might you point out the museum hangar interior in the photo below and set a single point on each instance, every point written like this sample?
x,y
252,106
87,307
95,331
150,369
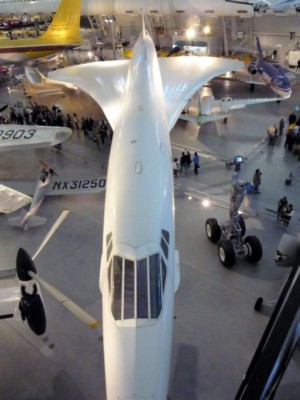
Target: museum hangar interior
x,y
216,329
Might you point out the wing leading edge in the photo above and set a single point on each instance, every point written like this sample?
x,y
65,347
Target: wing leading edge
x,y
182,77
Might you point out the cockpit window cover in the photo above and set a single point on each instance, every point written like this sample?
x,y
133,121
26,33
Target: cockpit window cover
x,y
137,287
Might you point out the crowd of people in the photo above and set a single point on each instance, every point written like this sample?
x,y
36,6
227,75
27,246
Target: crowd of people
x,y
35,114
292,135
185,164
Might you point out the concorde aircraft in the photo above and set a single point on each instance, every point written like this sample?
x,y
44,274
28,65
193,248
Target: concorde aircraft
x,y
62,34
139,265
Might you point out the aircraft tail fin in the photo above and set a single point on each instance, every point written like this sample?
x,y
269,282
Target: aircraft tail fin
x,y
259,49
65,25
31,222
143,21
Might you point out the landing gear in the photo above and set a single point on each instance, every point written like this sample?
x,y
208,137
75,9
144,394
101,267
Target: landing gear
x,y
230,234
213,230
253,249
226,253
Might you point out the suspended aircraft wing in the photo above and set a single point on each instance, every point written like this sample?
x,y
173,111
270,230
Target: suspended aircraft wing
x,y
11,200
21,137
103,81
211,109
182,77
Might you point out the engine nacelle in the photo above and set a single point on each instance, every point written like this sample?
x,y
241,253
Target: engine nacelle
x,y
206,104
32,310
252,69
261,6
31,304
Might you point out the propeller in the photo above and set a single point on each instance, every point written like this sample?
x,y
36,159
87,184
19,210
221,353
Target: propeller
x,y
79,312
46,166
43,164
26,271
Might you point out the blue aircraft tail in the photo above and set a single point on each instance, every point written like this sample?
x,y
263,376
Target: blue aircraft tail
x,y
259,49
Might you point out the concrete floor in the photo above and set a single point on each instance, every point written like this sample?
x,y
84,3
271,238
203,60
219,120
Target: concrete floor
x,y
216,330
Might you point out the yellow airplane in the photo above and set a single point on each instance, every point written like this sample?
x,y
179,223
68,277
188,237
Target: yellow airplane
x,y
62,34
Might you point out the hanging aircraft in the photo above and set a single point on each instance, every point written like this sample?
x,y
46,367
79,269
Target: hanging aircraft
x,y
139,272
273,75
62,34
23,137
211,109
46,186
263,72
262,6
10,24
132,7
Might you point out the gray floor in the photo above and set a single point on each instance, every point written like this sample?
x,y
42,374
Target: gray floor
x,y
216,330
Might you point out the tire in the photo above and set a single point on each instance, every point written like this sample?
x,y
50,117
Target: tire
x,y
254,249
213,230
258,304
242,224
226,253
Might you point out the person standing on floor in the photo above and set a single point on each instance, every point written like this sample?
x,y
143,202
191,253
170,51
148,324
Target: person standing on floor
x,y
183,162
196,161
256,181
287,215
281,126
175,168
188,159
282,204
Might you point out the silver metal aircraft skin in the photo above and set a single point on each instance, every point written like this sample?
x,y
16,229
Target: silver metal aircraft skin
x,y
23,137
46,186
29,218
139,266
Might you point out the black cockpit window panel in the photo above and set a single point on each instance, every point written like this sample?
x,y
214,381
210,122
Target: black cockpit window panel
x,y
142,288
155,285
109,249
166,235
164,247
108,237
108,245
116,306
163,273
129,289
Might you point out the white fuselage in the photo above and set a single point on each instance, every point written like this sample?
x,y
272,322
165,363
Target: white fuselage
x,y
38,197
138,213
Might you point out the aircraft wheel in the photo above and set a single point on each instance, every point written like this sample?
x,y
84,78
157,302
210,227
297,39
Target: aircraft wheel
x,y
254,249
226,253
213,230
242,224
258,304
